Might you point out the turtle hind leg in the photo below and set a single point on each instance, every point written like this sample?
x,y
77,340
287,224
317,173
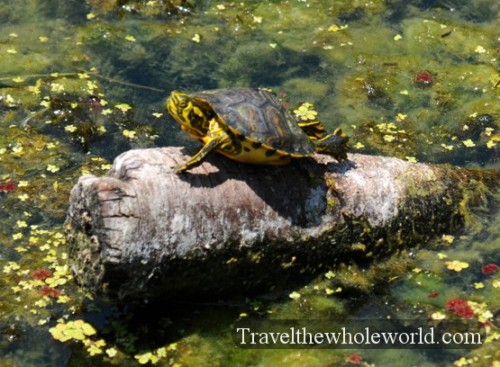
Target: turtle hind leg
x,y
335,144
313,129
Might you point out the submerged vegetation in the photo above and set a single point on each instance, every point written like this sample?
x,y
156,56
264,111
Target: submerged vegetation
x,y
82,81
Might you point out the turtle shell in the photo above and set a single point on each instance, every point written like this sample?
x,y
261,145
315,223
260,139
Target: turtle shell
x,y
258,115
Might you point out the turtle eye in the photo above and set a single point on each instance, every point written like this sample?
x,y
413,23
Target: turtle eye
x,y
177,103
182,103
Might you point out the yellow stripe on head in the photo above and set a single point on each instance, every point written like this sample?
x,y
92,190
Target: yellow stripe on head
x,y
188,113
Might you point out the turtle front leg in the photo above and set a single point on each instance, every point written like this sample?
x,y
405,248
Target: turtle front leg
x,y
215,138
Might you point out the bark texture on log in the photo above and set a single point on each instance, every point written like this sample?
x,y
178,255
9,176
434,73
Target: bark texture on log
x,y
143,231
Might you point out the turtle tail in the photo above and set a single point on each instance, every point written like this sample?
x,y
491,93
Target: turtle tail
x,y
335,144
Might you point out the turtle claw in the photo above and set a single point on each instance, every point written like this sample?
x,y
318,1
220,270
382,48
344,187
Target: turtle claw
x,y
180,169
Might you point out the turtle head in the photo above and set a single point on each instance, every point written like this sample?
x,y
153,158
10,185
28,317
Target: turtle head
x,y
189,112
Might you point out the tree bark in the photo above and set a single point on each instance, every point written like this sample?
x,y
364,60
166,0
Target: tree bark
x,y
143,231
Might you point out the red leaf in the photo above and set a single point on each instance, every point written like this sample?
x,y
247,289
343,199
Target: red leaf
x,y
41,274
460,307
354,358
423,78
8,186
489,268
49,291
453,303
485,324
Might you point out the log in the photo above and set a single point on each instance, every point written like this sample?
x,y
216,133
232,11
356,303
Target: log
x,y
142,231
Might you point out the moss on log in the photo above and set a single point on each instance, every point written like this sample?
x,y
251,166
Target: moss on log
x,y
142,231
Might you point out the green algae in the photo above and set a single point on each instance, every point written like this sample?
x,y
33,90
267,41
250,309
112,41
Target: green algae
x,y
355,60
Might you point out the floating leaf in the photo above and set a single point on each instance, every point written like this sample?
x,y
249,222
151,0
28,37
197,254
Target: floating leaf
x,y
389,138
463,362
123,107
257,19
469,143
491,144
460,306
489,268
305,112
480,49
63,299
21,224
401,117
111,352
52,168
354,359
49,291
41,274
196,38
56,87
336,28
448,238
8,186
94,348
144,358
438,316
77,329
330,275
456,265
129,133
17,236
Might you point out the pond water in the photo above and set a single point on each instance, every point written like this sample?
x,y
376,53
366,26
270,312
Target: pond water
x,y
82,81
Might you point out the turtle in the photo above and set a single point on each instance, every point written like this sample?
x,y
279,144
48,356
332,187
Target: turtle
x,y
249,125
